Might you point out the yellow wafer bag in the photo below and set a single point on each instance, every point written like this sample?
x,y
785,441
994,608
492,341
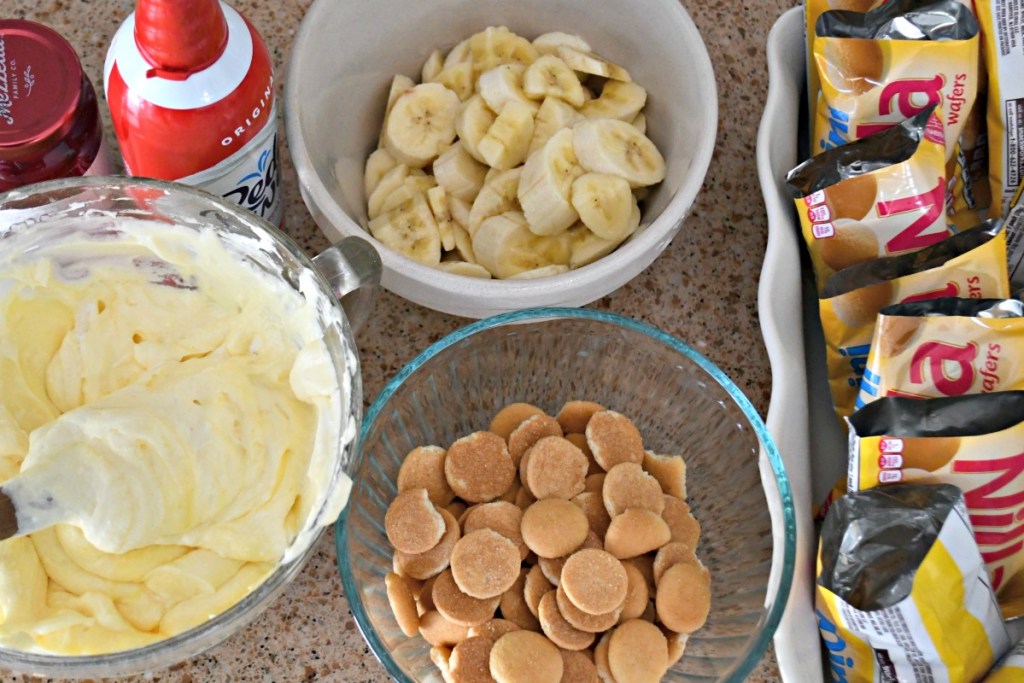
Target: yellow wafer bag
x,y
879,196
880,67
945,347
1014,221
1002,26
902,594
1009,669
970,264
974,442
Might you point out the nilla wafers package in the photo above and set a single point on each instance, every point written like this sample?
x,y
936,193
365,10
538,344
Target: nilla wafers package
x,y
945,347
971,264
902,592
879,196
879,67
1009,669
974,442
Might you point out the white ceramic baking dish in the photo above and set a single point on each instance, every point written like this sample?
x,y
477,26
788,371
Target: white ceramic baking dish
x,y
800,416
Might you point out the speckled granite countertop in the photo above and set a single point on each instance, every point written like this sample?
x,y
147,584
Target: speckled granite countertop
x,y
703,289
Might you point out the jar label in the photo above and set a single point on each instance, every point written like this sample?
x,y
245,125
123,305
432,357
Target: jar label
x,y
251,177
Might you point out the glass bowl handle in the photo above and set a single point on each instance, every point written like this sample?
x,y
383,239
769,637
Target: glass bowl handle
x,y
352,267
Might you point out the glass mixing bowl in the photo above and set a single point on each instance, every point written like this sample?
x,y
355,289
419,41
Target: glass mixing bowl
x,y
36,216
681,403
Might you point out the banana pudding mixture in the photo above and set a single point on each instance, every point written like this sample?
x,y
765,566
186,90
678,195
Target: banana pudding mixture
x,y
179,411
511,159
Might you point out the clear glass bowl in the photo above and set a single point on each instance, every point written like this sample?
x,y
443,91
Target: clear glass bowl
x,y
37,215
681,402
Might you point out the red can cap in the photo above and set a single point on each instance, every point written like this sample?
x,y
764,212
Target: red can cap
x,y
180,37
40,89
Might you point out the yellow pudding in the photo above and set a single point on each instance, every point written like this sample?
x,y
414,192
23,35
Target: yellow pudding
x,y
178,410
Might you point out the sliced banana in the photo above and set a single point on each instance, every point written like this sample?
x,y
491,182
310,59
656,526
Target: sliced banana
x,y
549,76
389,182
491,174
497,196
432,67
496,45
553,116
411,230
640,123
421,124
605,204
460,210
412,186
617,148
586,247
465,268
464,244
589,63
547,43
508,139
505,246
377,165
437,199
619,100
459,54
399,84
503,84
543,271
458,78
546,184
459,173
473,121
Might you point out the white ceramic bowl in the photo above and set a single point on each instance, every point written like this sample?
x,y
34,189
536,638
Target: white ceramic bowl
x,y
342,62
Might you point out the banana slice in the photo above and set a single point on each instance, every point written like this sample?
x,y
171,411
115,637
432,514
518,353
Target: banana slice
x,y
508,139
459,54
546,184
399,84
460,210
410,229
553,116
549,76
377,165
464,268
640,123
605,204
589,63
432,67
458,78
389,182
437,199
412,186
496,45
503,84
464,244
586,247
459,173
543,271
617,148
473,122
505,246
547,43
421,124
618,100
496,197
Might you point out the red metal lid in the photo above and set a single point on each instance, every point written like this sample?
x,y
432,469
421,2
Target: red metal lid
x,y
40,89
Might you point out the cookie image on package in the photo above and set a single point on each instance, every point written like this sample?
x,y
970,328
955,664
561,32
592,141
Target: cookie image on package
x,y
853,65
929,453
861,306
852,198
852,243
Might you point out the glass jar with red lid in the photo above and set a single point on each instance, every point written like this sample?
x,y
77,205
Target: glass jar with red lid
x,y
50,123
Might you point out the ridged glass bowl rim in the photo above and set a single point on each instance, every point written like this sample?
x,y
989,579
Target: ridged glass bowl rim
x,y
776,606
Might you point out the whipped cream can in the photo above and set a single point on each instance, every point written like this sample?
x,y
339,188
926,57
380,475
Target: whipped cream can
x,y
191,92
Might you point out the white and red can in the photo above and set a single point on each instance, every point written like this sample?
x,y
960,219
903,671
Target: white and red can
x,y
191,93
